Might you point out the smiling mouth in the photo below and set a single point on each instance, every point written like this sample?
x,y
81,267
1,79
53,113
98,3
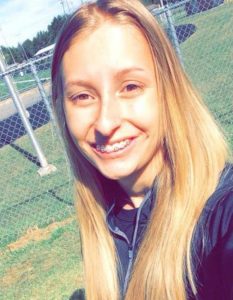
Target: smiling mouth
x,y
110,148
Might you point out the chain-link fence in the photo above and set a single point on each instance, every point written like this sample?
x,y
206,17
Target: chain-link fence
x,y
39,244
200,31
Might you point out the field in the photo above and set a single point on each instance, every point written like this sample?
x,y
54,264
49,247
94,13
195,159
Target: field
x,y
27,80
40,256
47,268
39,238
208,59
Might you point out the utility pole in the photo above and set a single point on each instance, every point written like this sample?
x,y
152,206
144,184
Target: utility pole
x,y
23,50
68,6
63,6
8,48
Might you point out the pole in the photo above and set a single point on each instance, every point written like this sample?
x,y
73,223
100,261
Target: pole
x,y
23,51
41,90
45,167
68,7
63,7
173,33
8,48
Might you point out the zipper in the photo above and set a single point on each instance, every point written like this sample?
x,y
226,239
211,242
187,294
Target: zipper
x,y
130,252
131,248
131,255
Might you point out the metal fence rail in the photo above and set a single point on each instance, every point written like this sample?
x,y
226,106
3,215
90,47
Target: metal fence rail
x,y
39,244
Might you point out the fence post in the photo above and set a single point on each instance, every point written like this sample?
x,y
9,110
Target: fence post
x,y
173,36
45,167
41,90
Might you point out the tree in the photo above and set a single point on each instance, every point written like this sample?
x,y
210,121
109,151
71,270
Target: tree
x,y
12,55
55,27
28,48
41,40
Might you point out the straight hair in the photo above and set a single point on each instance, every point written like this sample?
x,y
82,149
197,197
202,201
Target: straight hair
x,y
194,154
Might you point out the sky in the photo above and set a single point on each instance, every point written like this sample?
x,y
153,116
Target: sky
x,y
22,19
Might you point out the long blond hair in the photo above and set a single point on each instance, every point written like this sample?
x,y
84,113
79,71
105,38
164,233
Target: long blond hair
x,y
194,152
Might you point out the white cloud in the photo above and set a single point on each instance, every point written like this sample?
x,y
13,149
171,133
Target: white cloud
x,y
22,19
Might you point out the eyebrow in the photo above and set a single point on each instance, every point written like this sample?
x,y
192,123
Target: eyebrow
x,y
118,74
128,70
76,83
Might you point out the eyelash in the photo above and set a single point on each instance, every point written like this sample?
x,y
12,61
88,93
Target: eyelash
x,y
78,97
128,89
136,88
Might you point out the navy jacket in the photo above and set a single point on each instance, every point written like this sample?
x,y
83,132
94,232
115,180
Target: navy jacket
x,y
215,268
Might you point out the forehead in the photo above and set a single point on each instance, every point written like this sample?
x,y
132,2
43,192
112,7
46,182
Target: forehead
x,y
108,47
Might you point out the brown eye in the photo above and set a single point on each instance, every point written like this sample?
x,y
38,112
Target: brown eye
x,y
131,90
81,97
131,87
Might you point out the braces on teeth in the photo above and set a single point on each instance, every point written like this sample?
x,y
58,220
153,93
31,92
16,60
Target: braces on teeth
x,y
112,148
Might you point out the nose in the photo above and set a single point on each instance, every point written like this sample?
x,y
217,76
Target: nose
x,y
109,117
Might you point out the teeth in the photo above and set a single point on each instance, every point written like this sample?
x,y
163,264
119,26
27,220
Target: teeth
x,y
112,148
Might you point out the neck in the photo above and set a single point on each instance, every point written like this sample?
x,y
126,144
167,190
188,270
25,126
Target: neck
x,y
137,186
136,202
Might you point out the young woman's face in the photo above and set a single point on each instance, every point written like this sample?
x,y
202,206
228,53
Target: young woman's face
x,y
110,100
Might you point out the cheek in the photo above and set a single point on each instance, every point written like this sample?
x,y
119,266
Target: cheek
x,y
79,121
72,122
146,110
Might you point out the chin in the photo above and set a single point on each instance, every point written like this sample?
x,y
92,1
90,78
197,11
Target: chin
x,y
116,174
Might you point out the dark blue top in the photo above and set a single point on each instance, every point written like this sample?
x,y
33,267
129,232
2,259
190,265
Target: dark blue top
x,y
214,269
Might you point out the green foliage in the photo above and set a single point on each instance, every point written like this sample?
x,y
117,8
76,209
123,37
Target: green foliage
x,y
12,55
55,27
29,47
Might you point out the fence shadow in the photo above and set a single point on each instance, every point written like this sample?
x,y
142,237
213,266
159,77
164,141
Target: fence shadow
x,y
26,154
184,31
78,294
12,128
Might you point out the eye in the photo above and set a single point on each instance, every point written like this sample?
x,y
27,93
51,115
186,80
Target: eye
x,y
81,97
131,87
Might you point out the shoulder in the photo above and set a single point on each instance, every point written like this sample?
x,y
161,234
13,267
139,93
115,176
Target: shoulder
x,y
216,230
217,215
219,207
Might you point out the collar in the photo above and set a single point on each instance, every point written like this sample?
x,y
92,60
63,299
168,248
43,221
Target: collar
x,y
145,209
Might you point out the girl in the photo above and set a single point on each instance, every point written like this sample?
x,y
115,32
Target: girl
x,y
154,189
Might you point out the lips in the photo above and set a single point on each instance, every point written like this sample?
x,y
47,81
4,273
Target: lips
x,y
113,147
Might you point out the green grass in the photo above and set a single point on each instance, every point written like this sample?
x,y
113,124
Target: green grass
x,y
22,83
27,197
51,269
208,57
208,60
24,171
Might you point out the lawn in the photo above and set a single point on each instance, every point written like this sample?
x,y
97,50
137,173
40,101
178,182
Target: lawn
x,y
40,254
49,268
208,59
39,245
32,199
24,82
